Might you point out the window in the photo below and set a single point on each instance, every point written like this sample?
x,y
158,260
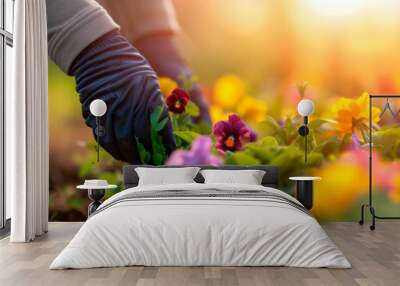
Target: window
x,y
6,60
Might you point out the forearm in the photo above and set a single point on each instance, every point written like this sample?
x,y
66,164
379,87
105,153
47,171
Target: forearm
x,y
163,55
72,26
139,18
151,25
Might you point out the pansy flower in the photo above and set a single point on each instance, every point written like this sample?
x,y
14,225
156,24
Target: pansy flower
x,y
232,134
199,154
352,114
177,100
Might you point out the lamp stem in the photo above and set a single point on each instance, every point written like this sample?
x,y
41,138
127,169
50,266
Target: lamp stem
x,y
97,138
305,139
305,149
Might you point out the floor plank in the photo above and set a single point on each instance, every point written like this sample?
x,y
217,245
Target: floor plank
x,y
375,257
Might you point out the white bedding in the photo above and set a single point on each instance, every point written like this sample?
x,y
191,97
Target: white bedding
x,y
183,231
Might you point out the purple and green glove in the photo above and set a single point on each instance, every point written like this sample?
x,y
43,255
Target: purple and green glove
x,y
111,69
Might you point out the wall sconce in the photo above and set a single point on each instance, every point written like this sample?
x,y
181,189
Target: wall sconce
x,y
305,108
98,108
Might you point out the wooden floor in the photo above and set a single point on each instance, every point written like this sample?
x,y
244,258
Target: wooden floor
x,y
375,257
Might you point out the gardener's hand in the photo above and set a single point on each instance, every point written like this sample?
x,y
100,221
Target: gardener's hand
x,y
111,69
160,50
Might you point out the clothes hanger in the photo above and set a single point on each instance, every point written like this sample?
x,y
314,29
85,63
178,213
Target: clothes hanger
x,y
388,107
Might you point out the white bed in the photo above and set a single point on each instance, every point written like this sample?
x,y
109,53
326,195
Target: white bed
x,y
249,226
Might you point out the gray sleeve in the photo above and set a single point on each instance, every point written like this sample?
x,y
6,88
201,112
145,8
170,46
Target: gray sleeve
x,y
139,18
72,25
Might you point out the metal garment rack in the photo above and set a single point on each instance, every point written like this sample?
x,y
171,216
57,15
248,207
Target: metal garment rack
x,y
370,198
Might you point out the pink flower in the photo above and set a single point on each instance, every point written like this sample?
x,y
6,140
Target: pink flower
x,y
232,134
199,154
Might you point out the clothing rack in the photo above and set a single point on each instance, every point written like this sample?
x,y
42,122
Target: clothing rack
x,y
370,197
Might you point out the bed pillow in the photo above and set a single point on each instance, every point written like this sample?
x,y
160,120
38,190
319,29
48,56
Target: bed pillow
x,y
166,176
248,177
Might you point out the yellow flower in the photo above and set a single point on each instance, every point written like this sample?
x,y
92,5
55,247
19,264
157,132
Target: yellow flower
x,y
288,112
343,182
252,109
394,194
228,90
217,114
167,85
350,113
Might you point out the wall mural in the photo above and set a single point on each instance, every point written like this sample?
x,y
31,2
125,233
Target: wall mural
x,y
253,61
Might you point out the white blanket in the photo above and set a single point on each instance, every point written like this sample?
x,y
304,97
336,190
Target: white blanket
x,y
188,231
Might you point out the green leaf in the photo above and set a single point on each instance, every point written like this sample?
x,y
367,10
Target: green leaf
x,y
268,142
204,128
290,132
346,141
85,168
270,127
110,177
290,155
160,125
155,119
187,136
184,120
145,156
387,141
265,149
330,146
174,121
314,159
317,123
155,115
75,202
192,109
263,154
240,158
158,159
159,152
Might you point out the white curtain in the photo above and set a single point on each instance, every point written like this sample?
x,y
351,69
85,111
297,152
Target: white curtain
x,y
26,124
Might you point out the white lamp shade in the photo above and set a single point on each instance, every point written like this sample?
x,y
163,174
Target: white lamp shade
x,y
98,107
305,107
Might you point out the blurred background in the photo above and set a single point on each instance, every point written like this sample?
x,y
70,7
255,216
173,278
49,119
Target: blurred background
x,y
263,48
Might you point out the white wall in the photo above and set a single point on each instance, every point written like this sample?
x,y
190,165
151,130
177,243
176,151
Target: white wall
x,y
8,92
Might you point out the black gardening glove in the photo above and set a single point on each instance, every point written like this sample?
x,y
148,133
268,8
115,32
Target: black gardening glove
x,y
162,54
111,69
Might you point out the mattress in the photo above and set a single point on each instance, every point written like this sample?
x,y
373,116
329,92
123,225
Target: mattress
x,y
201,225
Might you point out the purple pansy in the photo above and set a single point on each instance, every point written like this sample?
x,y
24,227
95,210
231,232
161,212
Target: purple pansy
x,y
232,134
199,154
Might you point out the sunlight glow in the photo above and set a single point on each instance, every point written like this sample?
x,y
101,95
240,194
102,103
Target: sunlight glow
x,y
335,9
248,15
